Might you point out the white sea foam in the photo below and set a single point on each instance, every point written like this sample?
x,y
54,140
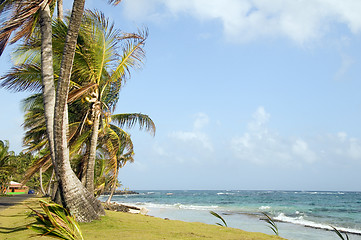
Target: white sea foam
x,y
226,193
264,207
301,221
174,206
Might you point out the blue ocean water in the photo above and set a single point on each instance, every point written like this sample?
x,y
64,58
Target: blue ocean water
x,y
301,214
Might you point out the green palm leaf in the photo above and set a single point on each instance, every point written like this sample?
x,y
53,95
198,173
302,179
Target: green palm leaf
x,y
130,119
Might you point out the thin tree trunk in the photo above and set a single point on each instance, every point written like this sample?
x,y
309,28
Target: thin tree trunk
x,y
50,183
47,73
89,183
41,181
74,195
114,186
84,166
60,10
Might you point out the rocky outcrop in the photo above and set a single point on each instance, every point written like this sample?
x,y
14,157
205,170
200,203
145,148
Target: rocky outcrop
x,y
113,206
119,192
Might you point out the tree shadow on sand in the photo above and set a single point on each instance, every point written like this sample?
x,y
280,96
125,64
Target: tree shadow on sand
x,y
13,229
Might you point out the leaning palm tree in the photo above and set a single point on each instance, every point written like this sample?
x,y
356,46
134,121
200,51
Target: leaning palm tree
x,y
74,196
92,80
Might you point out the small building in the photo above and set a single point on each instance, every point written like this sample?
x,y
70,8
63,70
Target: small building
x,y
17,188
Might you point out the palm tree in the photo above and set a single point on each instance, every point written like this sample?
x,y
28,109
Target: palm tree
x,y
74,196
101,65
6,166
120,158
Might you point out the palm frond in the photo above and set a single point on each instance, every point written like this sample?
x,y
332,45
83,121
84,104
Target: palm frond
x,y
26,77
46,160
219,217
21,21
56,222
340,234
132,57
77,93
130,119
272,224
114,2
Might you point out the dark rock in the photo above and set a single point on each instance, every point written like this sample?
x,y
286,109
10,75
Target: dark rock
x,y
119,192
113,206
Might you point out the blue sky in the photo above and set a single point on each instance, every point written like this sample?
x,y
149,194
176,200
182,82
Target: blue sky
x,y
245,94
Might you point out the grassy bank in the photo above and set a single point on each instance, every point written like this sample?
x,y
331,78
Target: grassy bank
x,y
116,225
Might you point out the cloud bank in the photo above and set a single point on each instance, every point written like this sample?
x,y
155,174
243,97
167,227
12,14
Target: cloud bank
x,y
246,20
258,145
265,147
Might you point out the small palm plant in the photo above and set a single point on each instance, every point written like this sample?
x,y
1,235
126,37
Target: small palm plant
x,y
219,217
56,222
340,234
272,224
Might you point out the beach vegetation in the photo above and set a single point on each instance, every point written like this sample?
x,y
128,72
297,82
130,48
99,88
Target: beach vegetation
x,y
339,234
271,223
119,225
7,167
220,218
55,221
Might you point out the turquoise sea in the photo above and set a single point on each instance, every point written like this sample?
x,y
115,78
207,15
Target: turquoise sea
x,y
300,214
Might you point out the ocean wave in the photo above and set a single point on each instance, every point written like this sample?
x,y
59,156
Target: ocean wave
x,y
174,206
264,207
226,193
307,223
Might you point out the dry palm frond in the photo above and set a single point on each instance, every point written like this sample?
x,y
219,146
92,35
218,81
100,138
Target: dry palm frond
x,y
41,162
22,19
56,222
114,2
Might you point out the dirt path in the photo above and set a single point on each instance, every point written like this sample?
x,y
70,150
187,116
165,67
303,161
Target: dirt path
x,y
7,201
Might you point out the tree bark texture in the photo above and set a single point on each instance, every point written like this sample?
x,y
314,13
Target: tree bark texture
x,y
41,181
80,202
47,74
60,10
89,183
48,189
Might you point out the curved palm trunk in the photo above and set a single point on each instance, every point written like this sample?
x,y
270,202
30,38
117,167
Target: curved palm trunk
x,y
89,182
114,186
74,195
41,181
111,194
50,183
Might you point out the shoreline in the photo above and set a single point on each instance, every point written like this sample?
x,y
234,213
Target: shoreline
x,y
13,222
248,221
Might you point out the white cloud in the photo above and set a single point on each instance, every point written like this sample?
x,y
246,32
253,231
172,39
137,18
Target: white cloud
x,y
346,63
201,121
260,145
245,20
354,148
195,137
301,149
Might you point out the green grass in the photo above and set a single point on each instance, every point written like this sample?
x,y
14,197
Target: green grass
x,y
117,225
